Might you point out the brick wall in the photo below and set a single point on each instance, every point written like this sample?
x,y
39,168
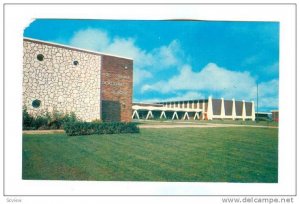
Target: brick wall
x,y
116,91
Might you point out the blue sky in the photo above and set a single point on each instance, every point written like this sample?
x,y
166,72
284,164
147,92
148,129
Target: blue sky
x,y
180,60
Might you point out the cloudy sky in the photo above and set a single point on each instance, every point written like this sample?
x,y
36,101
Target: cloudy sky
x,y
179,60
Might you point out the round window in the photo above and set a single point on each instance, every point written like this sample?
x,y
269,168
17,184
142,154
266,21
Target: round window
x,y
36,103
75,63
40,57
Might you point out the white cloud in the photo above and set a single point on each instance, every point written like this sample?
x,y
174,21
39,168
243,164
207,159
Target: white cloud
x,y
92,39
167,56
140,74
190,95
127,48
268,94
211,77
159,58
220,82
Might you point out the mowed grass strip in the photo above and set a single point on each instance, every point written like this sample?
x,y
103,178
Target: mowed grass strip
x,y
187,154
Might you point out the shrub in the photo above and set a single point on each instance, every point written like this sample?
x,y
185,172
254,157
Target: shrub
x,y
89,128
47,121
40,121
27,120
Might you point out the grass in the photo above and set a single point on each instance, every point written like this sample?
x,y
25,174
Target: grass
x,y
187,154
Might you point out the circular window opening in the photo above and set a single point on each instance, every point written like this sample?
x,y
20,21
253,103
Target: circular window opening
x,y
40,57
36,103
75,63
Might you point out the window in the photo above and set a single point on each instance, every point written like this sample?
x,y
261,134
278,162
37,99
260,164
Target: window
x,y
40,57
36,103
75,62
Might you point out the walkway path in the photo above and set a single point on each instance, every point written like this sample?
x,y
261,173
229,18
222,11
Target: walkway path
x,y
156,125
203,125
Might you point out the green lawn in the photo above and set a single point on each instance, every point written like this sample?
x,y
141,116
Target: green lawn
x,y
187,154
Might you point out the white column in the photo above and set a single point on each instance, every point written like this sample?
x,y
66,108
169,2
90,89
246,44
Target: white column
x,y
186,115
198,105
222,108
149,114
193,105
163,114
175,114
233,110
244,110
253,112
135,112
203,110
196,116
209,109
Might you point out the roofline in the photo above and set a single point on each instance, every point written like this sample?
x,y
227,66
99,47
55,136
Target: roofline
x,y
191,100
73,48
141,103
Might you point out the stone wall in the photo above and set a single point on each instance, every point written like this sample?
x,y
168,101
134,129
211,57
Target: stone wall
x,y
66,79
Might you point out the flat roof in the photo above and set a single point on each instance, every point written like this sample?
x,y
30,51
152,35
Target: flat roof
x,y
72,48
263,113
146,104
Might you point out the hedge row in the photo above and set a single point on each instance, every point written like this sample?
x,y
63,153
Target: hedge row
x,y
89,128
46,121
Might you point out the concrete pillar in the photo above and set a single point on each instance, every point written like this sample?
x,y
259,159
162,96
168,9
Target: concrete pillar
x,y
233,110
244,111
196,116
163,114
186,115
198,105
175,114
222,108
203,110
135,112
149,114
253,111
209,109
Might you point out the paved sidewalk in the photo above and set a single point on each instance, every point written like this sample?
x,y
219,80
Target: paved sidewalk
x,y
156,126
203,125
42,131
